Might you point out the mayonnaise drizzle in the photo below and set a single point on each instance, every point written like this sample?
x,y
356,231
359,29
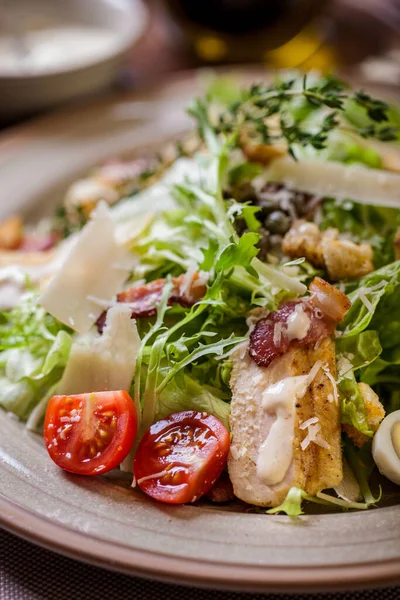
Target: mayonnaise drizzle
x,y
298,324
276,452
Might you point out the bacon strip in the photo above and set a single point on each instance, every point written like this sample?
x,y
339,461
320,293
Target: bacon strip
x,y
222,490
143,299
325,308
39,243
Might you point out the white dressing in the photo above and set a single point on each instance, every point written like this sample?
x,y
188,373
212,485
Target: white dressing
x,y
12,286
298,324
276,452
33,266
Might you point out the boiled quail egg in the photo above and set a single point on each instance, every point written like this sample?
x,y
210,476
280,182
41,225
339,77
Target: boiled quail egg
x,y
386,447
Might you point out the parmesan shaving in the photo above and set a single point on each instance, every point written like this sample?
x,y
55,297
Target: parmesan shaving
x,y
103,363
88,269
313,435
333,382
334,179
277,333
309,422
314,371
365,301
344,364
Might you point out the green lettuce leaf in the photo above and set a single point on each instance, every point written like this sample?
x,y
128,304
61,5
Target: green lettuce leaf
x,y
352,405
191,395
292,505
362,465
374,305
376,225
35,352
353,353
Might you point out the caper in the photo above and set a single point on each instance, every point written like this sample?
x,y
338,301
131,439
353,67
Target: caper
x,y
244,192
300,202
277,222
276,244
263,244
267,204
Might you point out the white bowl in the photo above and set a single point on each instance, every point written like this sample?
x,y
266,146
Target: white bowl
x,y
27,92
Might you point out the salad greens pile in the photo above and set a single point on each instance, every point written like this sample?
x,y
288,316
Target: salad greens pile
x,y
183,359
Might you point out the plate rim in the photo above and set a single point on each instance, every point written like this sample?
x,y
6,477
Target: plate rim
x,y
92,550
61,539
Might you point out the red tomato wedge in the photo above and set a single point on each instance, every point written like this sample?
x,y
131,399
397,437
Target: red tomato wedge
x,y
180,458
89,434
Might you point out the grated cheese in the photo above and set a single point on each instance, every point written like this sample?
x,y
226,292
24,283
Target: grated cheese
x,y
333,382
314,371
344,364
277,333
369,306
314,430
309,422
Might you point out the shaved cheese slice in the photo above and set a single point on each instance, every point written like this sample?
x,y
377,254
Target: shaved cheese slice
x,y
106,362
95,266
337,180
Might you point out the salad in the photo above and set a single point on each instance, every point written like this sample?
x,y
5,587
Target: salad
x,y
222,319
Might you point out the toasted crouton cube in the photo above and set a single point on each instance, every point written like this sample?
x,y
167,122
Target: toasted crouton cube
x,y
11,233
344,259
304,239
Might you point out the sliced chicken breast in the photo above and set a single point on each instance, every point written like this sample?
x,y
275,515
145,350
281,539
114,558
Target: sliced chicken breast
x,y
293,441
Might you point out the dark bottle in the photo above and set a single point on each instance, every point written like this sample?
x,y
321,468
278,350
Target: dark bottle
x,y
275,31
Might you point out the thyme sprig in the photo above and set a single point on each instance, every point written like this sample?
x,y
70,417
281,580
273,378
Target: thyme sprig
x,y
264,114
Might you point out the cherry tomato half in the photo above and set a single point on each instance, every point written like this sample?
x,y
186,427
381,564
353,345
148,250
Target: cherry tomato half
x,y
180,458
89,434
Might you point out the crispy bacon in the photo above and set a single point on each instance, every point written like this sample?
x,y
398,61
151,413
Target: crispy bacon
x,y
143,299
333,303
325,308
38,243
222,490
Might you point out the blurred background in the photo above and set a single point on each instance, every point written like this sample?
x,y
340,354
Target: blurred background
x,y
55,51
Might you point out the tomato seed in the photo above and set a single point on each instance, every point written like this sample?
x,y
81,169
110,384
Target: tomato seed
x,y
160,445
164,452
177,477
93,450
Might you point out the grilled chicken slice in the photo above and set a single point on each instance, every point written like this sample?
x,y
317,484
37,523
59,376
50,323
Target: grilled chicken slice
x,y
308,452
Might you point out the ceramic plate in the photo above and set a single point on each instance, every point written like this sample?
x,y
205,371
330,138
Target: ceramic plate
x,y
102,520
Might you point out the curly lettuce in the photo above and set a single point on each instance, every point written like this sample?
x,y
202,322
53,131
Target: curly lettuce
x,y
34,352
